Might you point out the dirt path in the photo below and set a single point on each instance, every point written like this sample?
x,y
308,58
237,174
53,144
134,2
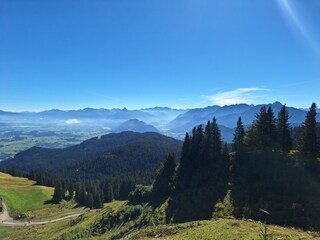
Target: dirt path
x,y
4,215
6,220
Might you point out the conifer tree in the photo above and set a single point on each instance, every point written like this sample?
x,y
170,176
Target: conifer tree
x,y
238,136
284,130
58,193
89,200
71,190
108,191
206,146
82,195
97,202
262,133
64,188
309,141
271,129
216,139
77,193
185,165
185,151
164,180
225,151
196,147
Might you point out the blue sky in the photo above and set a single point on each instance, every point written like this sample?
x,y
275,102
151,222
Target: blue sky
x,y
72,54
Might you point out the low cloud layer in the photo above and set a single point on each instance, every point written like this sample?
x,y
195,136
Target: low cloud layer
x,y
239,95
72,121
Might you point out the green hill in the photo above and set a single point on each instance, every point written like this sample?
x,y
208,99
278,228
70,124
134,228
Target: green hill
x,y
21,195
111,154
23,198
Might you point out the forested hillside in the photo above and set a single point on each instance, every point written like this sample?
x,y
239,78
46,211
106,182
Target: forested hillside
x,y
111,154
97,170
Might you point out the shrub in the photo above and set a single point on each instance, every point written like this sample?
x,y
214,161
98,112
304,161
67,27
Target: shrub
x,y
140,194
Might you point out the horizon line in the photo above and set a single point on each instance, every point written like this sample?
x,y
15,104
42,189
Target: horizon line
x,y
144,108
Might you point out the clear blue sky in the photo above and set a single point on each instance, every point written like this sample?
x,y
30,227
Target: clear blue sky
x,y
71,54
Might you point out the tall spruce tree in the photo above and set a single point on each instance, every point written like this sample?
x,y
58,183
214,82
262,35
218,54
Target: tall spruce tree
x,y
309,139
206,146
184,162
271,129
164,180
97,201
216,139
82,195
261,122
262,134
58,193
238,136
89,200
184,166
108,191
196,147
284,129
225,151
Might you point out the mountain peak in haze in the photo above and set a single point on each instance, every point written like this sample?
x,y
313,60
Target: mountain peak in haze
x,y
277,103
135,125
157,108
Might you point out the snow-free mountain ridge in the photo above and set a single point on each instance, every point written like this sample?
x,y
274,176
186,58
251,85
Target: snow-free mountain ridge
x,y
172,122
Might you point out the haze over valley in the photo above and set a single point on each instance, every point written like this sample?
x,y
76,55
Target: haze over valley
x,y
58,128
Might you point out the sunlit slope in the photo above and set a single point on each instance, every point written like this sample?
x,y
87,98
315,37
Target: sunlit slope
x,y
98,225
223,229
21,195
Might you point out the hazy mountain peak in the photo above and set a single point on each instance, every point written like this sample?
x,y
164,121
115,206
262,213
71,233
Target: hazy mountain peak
x,y
157,108
135,125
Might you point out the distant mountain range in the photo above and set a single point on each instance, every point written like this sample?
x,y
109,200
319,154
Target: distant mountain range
x,y
171,122
228,115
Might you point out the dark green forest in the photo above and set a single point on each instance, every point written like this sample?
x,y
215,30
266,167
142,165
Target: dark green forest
x,y
266,169
97,170
107,155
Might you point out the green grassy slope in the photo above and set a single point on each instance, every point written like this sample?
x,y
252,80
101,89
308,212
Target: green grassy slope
x,y
22,197
222,229
78,228
3,233
87,227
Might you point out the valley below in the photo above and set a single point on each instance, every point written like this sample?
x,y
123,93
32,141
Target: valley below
x,y
58,129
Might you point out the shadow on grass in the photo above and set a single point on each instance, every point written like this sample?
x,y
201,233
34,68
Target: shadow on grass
x,y
47,202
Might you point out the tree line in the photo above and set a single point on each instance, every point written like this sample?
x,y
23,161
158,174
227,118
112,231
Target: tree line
x,y
266,168
87,192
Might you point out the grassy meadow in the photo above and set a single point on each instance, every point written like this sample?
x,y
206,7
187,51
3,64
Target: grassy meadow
x,y
222,229
3,232
22,197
